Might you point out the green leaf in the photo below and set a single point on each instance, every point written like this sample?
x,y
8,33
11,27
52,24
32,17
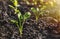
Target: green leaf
x,y
14,21
11,6
19,14
20,18
34,10
15,3
27,15
17,11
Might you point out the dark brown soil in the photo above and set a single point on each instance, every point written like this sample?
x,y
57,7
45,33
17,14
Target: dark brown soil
x,y
45,28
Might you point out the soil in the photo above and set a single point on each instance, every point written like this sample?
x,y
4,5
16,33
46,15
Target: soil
x,y
44,28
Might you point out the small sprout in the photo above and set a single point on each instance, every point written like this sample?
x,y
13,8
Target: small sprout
x,y
21,18
36,12
42,6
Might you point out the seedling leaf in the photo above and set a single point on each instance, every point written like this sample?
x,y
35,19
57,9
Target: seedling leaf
x,y
27,15
14,21
11,6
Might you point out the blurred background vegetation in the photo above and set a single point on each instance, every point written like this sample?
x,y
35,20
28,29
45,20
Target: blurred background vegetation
x,y
45,8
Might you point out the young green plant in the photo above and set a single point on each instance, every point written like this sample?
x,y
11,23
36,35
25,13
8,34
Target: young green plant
x,y
21,18
42,7
37,12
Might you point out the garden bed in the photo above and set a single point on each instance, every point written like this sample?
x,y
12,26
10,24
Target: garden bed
x,y
45,28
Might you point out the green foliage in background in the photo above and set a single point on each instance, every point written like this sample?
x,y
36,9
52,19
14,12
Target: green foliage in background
x,y
21,18
41,7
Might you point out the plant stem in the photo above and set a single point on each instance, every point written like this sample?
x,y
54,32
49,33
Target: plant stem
x,y
36,18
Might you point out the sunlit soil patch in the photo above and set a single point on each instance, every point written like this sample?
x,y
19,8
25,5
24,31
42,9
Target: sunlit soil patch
x,y
55,11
